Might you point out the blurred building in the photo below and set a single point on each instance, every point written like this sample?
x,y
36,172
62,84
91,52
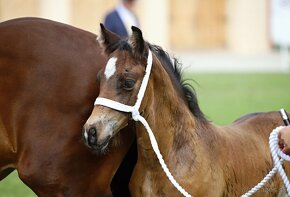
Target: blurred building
x,y
240,25
237,26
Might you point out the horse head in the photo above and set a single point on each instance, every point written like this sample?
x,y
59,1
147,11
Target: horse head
x,y
120,81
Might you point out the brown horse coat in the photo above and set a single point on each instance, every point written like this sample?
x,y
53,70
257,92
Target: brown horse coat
x,y
47,87
206,159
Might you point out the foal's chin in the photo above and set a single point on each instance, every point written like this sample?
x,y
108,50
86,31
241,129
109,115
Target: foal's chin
x,y
100,150
104,149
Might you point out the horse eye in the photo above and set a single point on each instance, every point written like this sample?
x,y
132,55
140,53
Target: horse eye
x,y
128,84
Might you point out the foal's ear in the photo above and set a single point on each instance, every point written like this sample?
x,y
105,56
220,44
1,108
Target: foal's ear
x,y
136,41
107,37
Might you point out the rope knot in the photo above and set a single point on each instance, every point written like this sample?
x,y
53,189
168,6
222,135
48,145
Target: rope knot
x,y
135,115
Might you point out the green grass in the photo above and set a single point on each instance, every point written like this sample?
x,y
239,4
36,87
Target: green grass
x,y
12,186
222,97
225,97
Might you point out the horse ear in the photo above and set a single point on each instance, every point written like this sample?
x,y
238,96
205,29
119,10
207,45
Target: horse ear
x,y
107,37
136,41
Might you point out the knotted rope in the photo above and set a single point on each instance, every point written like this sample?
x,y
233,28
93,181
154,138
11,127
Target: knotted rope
x,y
278,158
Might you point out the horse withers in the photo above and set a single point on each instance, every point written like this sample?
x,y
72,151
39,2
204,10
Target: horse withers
x,y
206,160
48,83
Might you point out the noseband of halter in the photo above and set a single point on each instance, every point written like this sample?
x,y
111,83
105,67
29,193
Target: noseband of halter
x,y
137,117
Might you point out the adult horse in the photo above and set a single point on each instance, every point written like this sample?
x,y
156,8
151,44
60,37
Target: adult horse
x,y
48,83
207,160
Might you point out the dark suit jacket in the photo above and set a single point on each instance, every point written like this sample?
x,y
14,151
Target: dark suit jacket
x,y
114,23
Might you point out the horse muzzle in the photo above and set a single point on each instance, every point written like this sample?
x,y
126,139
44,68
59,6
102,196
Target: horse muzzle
x,y
91,139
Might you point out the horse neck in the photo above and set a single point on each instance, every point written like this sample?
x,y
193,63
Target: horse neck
x,y
170,119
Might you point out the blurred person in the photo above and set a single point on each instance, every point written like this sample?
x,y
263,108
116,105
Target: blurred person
x,y
284,140
120,19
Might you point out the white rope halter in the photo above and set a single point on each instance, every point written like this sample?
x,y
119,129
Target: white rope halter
x,y
137,117
273,140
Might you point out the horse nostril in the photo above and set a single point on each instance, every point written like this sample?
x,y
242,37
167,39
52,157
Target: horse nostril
x,y
92,139
92,131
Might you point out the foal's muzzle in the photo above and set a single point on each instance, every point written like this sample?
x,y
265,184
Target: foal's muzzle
x,y
91,139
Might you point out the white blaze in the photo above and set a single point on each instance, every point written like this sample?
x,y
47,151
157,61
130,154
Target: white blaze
x,y
110,67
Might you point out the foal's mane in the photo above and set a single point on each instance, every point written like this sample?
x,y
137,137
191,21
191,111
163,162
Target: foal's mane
x,y
173,68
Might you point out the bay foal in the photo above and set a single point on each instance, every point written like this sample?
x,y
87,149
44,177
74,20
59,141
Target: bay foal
x,y
206,159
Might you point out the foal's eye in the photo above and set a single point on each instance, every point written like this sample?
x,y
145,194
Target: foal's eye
x,y
128,84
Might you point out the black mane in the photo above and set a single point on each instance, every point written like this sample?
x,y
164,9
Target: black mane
x,y
173,68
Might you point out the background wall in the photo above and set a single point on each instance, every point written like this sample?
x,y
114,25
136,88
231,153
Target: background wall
x,y
237,25
210,35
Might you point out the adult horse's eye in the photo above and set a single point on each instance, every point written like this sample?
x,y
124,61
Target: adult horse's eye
x,y
128,84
